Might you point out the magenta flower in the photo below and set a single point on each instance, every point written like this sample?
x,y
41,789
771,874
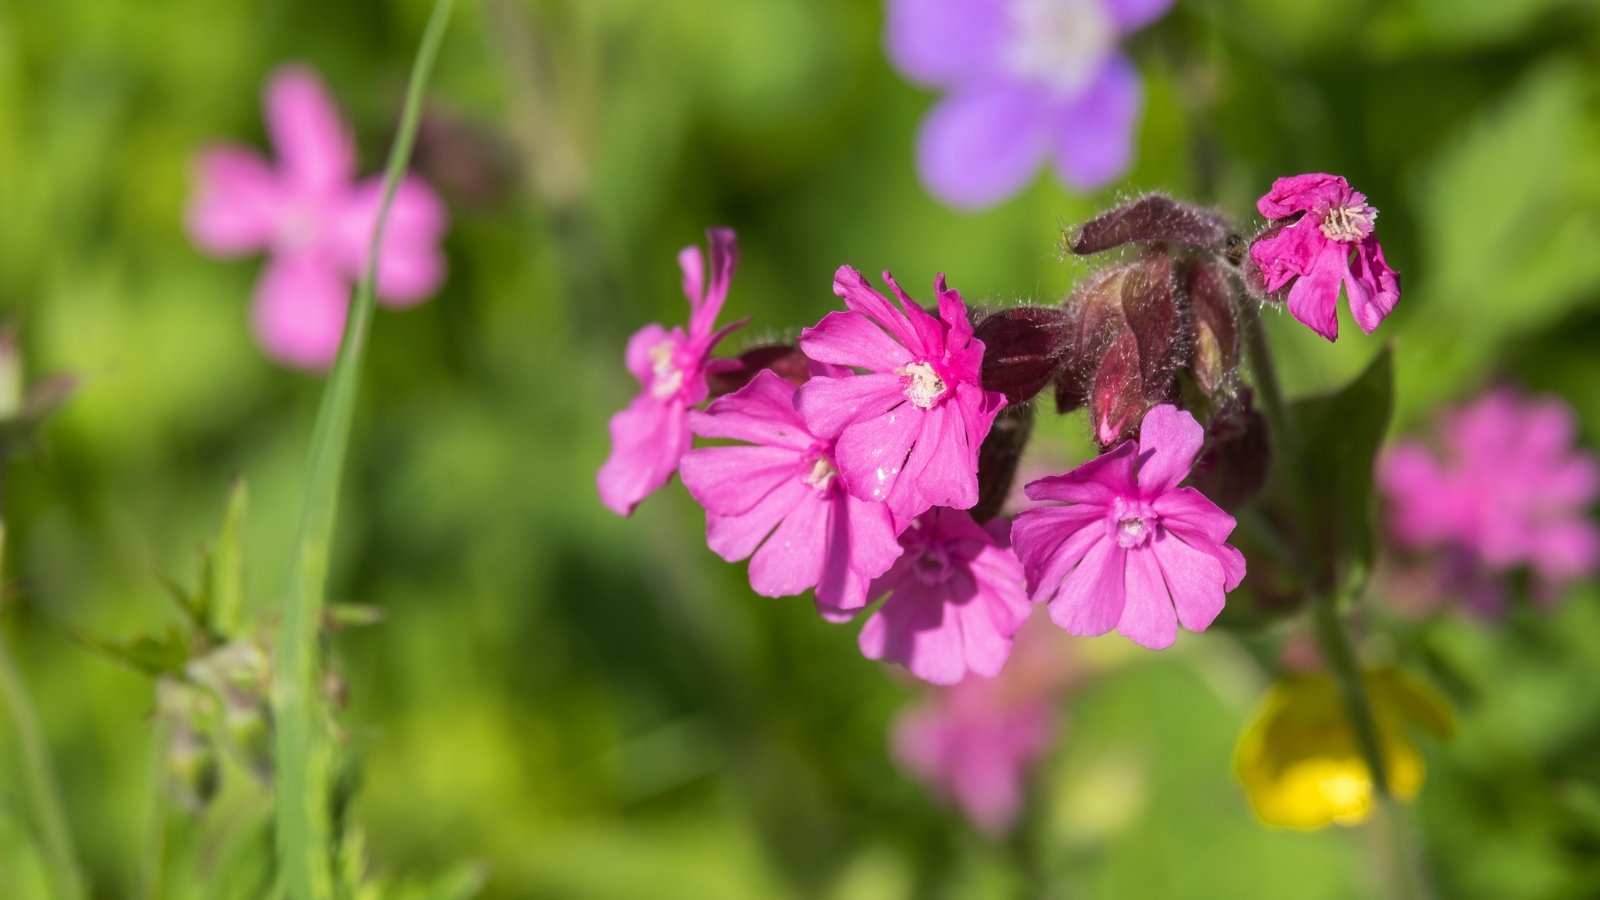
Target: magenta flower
x,y
1131,550
777,500
652,434
1321,237
976,741
1506,488
908,433
956,598
315,222
1028,80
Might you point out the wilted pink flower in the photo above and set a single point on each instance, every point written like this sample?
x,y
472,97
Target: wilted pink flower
x,y
1131,550
909,432
1506,488
956,598
1321,236
1029,81
315,221
778,498
652,434
976,740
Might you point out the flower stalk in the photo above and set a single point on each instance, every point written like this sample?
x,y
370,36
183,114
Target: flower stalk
x,y
304,757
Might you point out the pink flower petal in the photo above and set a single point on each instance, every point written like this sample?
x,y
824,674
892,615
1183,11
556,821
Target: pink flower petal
x,y
1380,286
942,42
791,560
299,312
704,308
1132,15
311,141
861,546
851,339
1314,298
1091,598
1148,619
829,405
872,453
410,265
763,413
736,537
647,440
728,481
1097,481
1169,441
851,286
236,204
1303,193
1194,578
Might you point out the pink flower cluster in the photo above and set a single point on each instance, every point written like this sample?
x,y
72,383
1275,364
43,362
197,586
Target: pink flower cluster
x,y
1502,487
857,484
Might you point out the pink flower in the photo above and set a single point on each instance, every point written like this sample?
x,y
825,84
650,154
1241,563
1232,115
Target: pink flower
x,y
652,434
976,741
1132,550
777,500
315,221
956,597
1506,488
1319,228
909,432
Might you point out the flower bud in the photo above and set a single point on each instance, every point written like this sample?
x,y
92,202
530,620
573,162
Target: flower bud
x,y
1237,457
998,458
1215,315
1022,349
724,376
1124,349
1151,219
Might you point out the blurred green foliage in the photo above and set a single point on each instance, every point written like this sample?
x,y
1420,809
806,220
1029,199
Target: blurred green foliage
x,y
599,708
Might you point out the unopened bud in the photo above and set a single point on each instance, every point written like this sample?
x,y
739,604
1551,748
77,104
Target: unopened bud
x,y
724,376
1237,457
1125,347
1022,349
1151,219
1215,314
998,459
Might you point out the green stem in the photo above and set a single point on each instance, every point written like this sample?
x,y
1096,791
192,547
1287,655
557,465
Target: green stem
x,y
303,756
38,774
1340,658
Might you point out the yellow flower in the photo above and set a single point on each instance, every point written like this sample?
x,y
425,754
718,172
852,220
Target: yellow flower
x,y
1299,761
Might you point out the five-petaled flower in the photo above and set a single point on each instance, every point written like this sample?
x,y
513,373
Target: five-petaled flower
x,y
1320,237
956,599
652,433
1131,550
1029,80
908,431
1506,488
777,499
315,221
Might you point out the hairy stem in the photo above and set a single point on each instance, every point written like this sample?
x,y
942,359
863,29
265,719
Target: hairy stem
x,y
304,757
38,774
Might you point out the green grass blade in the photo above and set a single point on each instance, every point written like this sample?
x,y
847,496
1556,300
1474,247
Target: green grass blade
x,y
303,756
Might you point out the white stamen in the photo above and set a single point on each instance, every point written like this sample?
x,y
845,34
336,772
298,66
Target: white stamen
x,y
822,473
1349,223
668,377
925,386
1059,43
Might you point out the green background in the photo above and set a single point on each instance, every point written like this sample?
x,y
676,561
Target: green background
x,y
598,707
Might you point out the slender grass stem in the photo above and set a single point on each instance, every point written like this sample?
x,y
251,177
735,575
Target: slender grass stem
x,y
44,791
304,758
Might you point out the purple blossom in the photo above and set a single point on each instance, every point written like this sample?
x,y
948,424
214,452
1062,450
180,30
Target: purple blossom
x,y
1027,80
1131,550
1320,237
314,221
1505,488
956,598
776,499
909,431
652,433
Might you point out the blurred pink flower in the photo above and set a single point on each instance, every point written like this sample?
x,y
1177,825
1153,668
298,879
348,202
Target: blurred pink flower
x,y
1504,488
956,598
909,432
1029,81
1131,550
315,222
976,741
652,433
1319,227
779,493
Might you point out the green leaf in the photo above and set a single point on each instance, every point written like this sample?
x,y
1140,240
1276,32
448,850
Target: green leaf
x,y
1335,442
166,655
224,567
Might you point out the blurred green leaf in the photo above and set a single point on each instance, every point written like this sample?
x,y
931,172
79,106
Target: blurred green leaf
x,y
165,655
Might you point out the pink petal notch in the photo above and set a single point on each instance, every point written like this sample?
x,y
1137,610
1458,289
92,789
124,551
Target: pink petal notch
x,y
1131,550
315,222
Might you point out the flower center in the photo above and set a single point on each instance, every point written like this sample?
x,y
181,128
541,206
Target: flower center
x,y
1134,523
1059,43
299,228
822,474
932,565
668,375
1349,223
925,387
